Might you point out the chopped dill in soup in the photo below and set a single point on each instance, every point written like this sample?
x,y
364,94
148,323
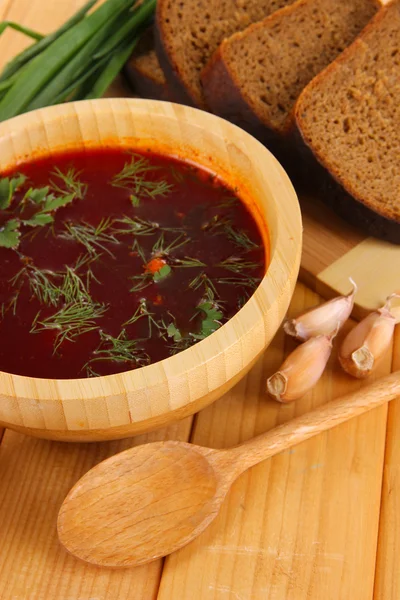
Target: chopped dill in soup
x,y
111,260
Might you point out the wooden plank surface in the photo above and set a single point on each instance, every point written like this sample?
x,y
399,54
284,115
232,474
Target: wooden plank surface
x,y
387,584
302,525
327,238
35,477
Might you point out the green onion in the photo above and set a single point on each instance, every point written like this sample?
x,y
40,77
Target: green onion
x,y
33,34
72,91
103,79
117,52
73,67
32,51
142,13
80,60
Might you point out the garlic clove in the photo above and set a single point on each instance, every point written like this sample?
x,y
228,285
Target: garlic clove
x,y
301,369
367,342
394,307
323,319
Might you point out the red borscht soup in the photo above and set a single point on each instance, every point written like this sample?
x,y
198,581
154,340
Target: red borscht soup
x,y
111,260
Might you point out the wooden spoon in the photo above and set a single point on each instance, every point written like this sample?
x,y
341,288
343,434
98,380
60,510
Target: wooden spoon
x,y
151,500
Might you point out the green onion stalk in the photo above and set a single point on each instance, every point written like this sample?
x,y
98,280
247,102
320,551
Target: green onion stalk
x,y
78,61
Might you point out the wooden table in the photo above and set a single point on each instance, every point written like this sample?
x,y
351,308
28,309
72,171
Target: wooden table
x,y
313,523
317,522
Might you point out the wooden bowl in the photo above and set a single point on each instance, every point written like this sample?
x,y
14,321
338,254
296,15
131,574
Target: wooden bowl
x,y
140,400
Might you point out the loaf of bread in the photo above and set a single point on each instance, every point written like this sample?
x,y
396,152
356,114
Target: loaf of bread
x,y
255,76
349,120
143,70
188,32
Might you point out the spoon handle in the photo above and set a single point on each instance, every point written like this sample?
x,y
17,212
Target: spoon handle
x,y
302,428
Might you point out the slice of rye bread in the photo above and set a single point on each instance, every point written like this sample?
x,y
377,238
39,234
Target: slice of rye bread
x,y
143,70
348,117
189,31
255,76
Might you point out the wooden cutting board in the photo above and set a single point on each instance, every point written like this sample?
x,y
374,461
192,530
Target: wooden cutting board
x,y
333,251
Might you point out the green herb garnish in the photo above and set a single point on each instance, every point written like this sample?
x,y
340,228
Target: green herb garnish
x,y
41,284
48,203
177,174
241,301
49,288
244,281
133,178
141,282
118,349
90,372
10,234
179,341
8,186
39,220
162,273
71,321
188,262
216,224
93,238
37,196
142,312
137,249
222,226
71,183
228,202
161,247
52,202
240,238
180,345
173,332
135,201
212,320
74,289
12,305
237,264
137,226
202,280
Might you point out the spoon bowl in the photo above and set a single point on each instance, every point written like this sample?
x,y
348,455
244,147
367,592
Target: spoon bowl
x,y
168,493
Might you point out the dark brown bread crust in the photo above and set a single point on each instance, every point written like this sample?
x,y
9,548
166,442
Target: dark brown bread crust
x,y
227,96
338,194
170,69
224,98
144,83
226,87
144,72
310,176
189,31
